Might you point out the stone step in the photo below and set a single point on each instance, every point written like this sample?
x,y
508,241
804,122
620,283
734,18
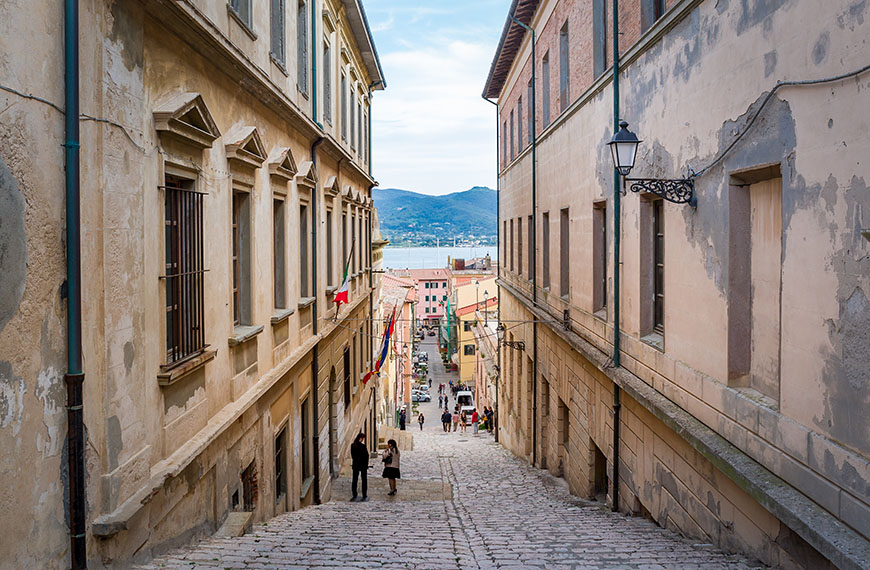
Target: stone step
x,y
237,524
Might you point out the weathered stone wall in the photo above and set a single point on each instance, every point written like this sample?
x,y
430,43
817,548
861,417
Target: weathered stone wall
x,y
163,461
688,89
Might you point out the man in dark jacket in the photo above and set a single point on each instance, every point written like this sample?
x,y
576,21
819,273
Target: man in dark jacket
x,y
360,462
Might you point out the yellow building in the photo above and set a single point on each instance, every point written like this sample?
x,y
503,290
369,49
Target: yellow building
x,y
476,294
224,152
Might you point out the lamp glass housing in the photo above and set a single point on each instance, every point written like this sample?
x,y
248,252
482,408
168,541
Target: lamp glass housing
x,y
499,331
623,149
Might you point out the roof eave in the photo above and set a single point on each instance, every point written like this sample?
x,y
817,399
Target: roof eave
x,y
496,79
362,33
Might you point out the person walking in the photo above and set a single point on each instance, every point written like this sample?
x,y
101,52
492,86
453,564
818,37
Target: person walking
x,y
402,419
360,463
475,419
463,418
421,419
430,382
455,418
445,420
490,420
390,458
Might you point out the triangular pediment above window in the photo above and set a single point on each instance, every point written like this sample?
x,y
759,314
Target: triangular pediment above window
x,y
185,116
281,163
307,174
331,186
245,147
328,22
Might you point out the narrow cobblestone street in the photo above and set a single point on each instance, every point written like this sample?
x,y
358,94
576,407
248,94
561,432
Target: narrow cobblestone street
x,y
463,502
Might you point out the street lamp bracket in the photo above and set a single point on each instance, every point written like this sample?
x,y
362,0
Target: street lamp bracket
x,y
677,191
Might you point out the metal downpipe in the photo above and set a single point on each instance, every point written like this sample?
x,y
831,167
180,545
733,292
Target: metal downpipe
x,y
616,259
315,364
74,377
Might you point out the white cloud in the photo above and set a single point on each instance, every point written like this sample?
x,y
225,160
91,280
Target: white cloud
x,y
432,131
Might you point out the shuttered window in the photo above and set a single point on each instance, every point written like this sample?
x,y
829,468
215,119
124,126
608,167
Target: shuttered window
x,y
327,84
302,47
277,30
564,69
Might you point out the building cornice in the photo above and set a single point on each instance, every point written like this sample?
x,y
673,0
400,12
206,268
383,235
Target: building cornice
x,y
189,23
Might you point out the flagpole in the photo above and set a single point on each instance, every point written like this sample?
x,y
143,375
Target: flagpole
x,y
346,270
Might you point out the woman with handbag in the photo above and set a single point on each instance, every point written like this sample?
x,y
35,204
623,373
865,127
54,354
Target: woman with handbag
x,y
390,458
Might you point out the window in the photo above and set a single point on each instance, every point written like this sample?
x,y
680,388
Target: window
x,y
330,258
304,273
564,69
468,350
346,379
302,47
280,272
599,256
519,246
545,230
281,464
183,269
327,84
427,298
343,106
520,145
352,128
530,114
427,310
277,31
513,146
242,9
444,284
444,298
504,141
659,268
343,241
564,248
365,139
512,245
650,11
353,264
359,122
466,326
599,37
531,232
545,88
305,434
755,281
250,487
504,242
241,258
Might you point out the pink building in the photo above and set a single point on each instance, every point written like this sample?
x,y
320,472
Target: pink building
x,y
433,289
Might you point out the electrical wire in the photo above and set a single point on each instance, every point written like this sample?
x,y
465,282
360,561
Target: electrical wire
x,y
767,98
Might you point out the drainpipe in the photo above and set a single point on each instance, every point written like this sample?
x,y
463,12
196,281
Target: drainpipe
x,y
315,364
616,260
74,377
497,246
314,66
533,262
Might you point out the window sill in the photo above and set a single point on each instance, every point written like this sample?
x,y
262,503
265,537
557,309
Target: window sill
x,y
242,334
331,289
305,302
303,92
175,372
238,18
601,314
306,486
281,315
655,340
279,64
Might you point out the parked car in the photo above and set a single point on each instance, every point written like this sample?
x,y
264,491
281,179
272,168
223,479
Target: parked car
x,y
431,333
465,399
419,396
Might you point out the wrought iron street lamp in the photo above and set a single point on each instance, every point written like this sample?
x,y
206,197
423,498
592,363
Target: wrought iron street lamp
x,y
623,151
517,344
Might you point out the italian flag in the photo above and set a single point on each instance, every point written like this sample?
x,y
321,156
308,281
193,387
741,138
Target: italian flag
x,y
342,295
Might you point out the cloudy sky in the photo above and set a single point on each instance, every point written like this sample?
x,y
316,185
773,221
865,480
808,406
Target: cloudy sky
x,y
432,133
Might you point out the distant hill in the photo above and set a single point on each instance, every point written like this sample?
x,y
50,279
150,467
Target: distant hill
x,y
412,219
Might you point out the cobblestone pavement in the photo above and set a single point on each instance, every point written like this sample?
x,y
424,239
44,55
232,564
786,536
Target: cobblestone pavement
x,y
463,502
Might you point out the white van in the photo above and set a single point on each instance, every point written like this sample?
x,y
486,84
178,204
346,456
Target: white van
x,y
465,399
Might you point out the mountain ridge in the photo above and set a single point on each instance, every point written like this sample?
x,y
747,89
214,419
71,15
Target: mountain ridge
x,y
409,218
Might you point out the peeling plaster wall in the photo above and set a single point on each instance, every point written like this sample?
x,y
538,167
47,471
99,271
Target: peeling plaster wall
x,y
32,314
129,61
688,94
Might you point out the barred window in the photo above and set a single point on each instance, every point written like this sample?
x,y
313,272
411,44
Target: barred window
x,y
184,271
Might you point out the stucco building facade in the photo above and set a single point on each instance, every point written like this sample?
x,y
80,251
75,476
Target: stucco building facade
x,y
224,182
739,412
